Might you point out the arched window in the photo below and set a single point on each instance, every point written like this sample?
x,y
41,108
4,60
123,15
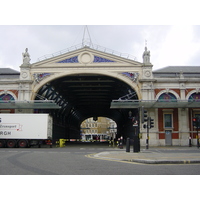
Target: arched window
x,y
194,97
167,97
6,97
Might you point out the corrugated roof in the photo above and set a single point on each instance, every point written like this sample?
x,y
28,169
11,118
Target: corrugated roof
x,y
8,71
177,69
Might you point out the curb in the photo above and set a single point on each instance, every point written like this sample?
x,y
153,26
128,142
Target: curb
x,y
185,160
164,161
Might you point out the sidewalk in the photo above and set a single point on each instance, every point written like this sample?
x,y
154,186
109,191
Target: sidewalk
x,y
155,155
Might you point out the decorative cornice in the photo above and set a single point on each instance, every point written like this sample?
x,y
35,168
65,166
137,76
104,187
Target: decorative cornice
x,y
147,80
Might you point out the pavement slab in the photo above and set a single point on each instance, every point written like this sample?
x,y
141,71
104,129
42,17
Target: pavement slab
x,y
171,155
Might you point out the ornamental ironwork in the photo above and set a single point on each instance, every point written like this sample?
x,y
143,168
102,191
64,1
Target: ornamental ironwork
x,y
70,60
98,59
131,75
40,76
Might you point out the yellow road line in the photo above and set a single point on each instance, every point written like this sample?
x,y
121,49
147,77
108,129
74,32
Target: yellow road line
x,y
136,163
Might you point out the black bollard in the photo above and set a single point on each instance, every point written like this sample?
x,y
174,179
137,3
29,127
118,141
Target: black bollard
x,y
136,144
190,142
128,145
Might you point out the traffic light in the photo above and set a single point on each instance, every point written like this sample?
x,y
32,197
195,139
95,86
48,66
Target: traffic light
x,y
151,122
194,121
144,115
198,122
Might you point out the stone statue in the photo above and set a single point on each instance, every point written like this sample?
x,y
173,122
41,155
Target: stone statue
x,y
146,56
26,57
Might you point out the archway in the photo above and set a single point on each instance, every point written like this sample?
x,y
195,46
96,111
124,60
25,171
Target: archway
x,y
98,129
86,95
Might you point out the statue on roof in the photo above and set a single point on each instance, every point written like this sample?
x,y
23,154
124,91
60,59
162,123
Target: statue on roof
x,y
146,56
26,57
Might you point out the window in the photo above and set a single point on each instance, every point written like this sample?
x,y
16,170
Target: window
x,y
6,97
167,97
194,97
168,120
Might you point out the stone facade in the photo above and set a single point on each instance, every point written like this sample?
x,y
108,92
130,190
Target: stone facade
x,y
101,126
173,126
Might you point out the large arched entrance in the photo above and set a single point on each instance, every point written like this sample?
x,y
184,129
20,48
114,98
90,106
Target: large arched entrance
x,y
87,95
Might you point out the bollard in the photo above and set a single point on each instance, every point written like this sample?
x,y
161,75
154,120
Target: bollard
x,y
128,145
190,142
147,143
136,144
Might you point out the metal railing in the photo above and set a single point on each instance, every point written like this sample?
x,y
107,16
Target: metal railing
x,y
89,45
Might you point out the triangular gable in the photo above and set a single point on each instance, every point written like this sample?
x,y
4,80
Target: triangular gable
x,y
87,56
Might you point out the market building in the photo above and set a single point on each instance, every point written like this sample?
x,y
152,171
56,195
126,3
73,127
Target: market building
x,y
90,81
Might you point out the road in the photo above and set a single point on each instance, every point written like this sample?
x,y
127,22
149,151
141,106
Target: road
x,y
73,160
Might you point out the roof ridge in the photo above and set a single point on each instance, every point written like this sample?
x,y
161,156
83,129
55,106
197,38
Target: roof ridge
x,y
93,46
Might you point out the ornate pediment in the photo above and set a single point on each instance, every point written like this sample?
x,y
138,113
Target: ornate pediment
x,y
86,56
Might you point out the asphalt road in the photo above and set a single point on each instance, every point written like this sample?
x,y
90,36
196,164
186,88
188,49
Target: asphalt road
x,y
74,160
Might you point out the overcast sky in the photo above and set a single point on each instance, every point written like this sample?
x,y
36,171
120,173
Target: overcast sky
x,y
170,45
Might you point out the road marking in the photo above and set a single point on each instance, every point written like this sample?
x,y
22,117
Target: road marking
x,y
112,159
135,163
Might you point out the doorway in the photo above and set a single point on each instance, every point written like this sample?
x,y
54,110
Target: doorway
x,y
168,137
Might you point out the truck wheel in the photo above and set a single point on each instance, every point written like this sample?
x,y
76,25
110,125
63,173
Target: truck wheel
x,y
23,143
2,143
11,143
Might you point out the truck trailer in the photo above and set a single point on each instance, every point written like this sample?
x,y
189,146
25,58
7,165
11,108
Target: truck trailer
x,y
25,130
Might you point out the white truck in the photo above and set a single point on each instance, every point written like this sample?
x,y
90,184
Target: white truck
x,y
25,130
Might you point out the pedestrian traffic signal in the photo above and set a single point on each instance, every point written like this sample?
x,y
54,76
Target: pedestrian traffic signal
x,y
144,115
